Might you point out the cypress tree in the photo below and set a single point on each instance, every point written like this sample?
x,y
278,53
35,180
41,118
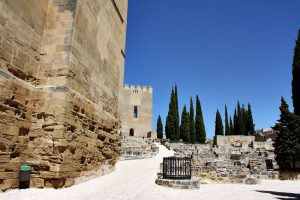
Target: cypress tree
x,y
167,127
159,128
244,119
199,123
192,122
176,115
287,143
170,120
250,124
240,120
227,128
185,127
219,129
236,124
230,126
296,77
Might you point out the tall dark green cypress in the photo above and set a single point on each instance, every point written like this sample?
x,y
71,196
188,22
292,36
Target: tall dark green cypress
x,y
185,127
287,142
219,129
231,128
170,120
250,123
296,77
176,115
244,119
199,123
192,122
159,128
236,128
240,120
167,128
227,128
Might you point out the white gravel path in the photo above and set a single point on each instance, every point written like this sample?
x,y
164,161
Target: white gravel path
x,y
134,179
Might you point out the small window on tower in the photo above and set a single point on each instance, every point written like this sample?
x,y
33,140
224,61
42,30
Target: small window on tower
x,y
135,112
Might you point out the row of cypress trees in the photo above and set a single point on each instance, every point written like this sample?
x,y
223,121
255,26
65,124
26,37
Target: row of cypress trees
x,y
191,129
242,123
287,143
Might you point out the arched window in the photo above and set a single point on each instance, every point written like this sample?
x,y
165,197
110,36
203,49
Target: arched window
x,y
131,132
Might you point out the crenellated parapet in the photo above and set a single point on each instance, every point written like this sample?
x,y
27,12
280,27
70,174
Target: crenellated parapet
x,y
138,88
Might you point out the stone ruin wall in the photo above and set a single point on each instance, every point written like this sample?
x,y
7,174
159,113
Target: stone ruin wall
x,y
61,70
233,139
232,159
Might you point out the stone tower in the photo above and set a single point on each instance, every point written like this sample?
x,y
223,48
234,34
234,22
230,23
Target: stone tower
x,y
136,109
61,73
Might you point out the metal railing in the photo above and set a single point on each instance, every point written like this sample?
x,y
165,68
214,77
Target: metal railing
x,y
177,168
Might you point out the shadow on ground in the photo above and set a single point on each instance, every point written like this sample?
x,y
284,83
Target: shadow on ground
x,y
282,195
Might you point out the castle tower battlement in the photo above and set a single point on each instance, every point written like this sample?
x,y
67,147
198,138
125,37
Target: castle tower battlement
x,y
138,87
136,110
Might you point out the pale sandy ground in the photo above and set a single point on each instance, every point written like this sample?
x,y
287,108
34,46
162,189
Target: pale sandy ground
x,y
134,179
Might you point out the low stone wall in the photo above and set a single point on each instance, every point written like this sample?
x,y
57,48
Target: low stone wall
x,y
194,183
213,175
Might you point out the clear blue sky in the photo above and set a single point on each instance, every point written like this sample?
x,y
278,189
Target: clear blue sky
x,y
223,51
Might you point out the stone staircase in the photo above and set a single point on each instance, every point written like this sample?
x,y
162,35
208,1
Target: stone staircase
x,y
137,148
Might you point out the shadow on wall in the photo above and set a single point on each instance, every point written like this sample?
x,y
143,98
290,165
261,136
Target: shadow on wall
x,y
289,175
282,195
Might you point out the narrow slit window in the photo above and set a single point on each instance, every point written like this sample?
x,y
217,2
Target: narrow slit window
x,y
135,112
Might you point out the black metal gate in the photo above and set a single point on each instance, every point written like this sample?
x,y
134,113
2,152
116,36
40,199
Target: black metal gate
x,y
177,168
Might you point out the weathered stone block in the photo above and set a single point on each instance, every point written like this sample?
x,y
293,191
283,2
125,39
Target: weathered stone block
x,y
9,184
69,182
9,175
37,182
10,130
4,157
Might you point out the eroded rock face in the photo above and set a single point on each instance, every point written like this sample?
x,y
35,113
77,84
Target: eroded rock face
x,y
61,73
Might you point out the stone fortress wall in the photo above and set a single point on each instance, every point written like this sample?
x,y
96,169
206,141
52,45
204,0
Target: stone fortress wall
x,y
141,97
61,73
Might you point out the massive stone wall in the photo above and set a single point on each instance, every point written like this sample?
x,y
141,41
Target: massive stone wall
x,y
141,97
61,71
